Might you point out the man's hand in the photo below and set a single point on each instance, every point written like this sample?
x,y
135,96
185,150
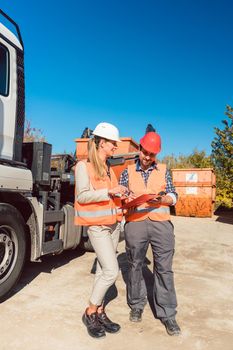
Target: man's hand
x,y
167,200
164,200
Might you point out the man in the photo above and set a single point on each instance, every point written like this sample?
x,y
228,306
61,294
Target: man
x,y
149,223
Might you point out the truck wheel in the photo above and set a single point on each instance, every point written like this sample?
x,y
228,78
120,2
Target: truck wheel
x,y
12,248
86,244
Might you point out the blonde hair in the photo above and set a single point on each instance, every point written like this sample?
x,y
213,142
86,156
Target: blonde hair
x,y
98,165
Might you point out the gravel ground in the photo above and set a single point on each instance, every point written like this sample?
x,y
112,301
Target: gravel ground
x,y
45,311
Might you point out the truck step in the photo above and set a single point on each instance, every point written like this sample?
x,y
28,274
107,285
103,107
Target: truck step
x,y
52,246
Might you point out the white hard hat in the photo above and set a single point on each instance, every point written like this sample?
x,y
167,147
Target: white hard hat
x,y
107,131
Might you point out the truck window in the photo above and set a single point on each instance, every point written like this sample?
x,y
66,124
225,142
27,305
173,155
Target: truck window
x,y
4,70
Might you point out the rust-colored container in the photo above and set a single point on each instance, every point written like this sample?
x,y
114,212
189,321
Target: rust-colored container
x,y
81,148
196,189
128,145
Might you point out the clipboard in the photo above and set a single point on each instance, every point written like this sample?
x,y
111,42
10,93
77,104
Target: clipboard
x,y
139,200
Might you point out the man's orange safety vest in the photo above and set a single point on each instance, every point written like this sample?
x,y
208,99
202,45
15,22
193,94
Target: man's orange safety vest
x,y
98,213
155,184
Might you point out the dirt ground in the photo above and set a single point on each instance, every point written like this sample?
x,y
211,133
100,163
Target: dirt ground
x,y
45,311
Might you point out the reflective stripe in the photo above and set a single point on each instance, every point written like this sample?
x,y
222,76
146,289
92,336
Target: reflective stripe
x,y
164,210
96,213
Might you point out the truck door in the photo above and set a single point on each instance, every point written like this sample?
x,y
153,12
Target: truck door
x,y
11,95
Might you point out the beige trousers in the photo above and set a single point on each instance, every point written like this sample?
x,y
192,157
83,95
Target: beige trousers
x,y
104,240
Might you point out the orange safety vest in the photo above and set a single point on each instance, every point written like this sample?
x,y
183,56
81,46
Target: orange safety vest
x,y
98,213
155,184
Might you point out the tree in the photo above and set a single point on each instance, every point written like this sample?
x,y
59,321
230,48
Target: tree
x,y
222,158
32,134
197,159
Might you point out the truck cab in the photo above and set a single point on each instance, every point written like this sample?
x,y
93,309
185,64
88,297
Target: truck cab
x,y
36,211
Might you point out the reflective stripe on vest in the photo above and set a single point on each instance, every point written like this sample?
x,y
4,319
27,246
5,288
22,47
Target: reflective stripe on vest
x,y
96,213
160,209
155,184
101,213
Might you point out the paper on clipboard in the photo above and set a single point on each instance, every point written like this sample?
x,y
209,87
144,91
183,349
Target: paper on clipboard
x,y
138,201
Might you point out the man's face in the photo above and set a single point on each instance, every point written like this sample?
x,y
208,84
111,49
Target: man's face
x,y
146,158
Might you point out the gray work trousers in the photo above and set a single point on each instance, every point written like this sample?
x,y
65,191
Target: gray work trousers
x,y
104,240
138,236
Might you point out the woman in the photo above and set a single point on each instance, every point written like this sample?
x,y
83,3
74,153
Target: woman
x,y
96,206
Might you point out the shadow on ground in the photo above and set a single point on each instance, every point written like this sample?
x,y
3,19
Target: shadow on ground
x,y
225,215
45,265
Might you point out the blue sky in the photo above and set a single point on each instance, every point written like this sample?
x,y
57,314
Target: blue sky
x,y
130,63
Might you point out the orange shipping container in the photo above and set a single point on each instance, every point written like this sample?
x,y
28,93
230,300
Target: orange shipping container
x,y
127,146
196,189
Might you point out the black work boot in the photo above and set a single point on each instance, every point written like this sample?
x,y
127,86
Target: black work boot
x,y
94,328
109,326
171,326
135,315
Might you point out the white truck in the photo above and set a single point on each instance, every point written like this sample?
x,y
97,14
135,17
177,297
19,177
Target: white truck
x,y
36,188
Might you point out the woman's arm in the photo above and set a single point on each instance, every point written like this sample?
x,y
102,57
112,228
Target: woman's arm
x,y
84,191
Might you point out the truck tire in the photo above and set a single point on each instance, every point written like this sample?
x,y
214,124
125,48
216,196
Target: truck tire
x,y
12,248
86,244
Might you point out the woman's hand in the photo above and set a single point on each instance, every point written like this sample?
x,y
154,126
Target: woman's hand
x,y
130,196
118,191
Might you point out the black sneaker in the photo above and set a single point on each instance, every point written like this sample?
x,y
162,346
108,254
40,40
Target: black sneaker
x,y
135,315
94,328
108,325
171,326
